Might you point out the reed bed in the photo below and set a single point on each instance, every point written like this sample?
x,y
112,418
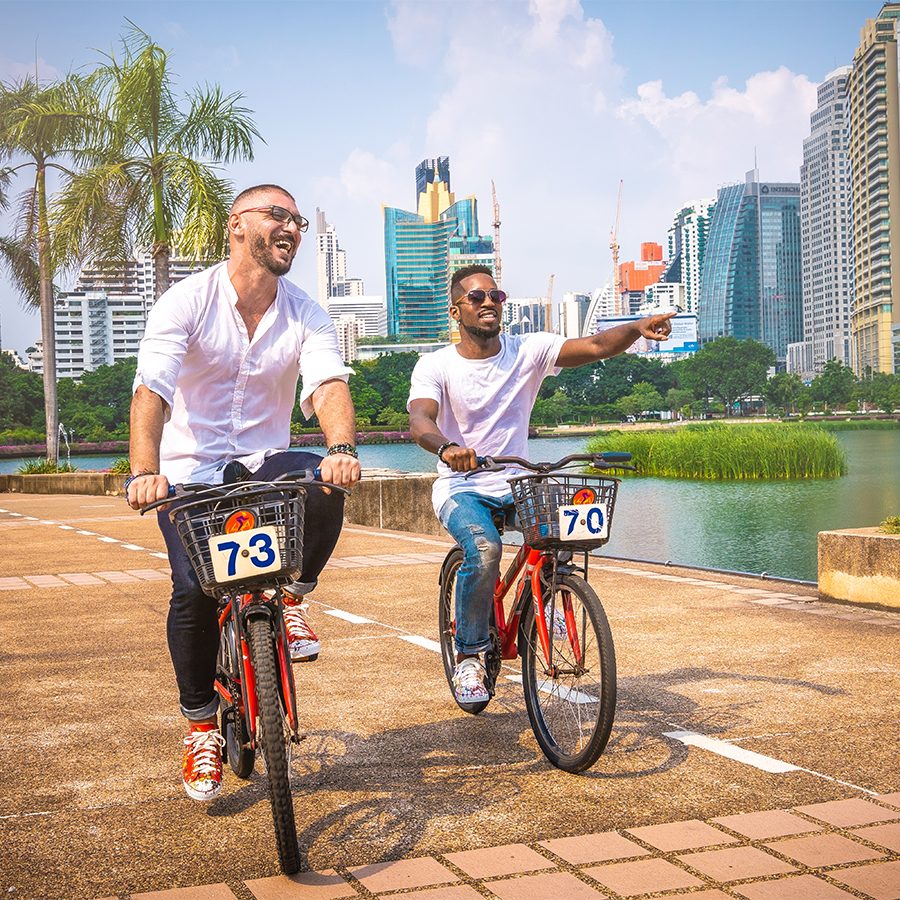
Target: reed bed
x,y
723,452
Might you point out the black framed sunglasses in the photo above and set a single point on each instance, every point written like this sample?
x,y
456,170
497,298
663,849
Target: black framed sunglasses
x,y
478,296
279,214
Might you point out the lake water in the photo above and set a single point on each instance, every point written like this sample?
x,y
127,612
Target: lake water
x,y
745,526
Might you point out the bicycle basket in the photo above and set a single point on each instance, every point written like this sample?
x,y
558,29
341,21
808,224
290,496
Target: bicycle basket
x,y
258,506
588,500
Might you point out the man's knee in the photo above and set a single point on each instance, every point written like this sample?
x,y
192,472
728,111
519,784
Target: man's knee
x,y
482,550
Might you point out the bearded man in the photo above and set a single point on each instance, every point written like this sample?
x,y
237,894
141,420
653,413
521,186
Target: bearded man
x,y
215,388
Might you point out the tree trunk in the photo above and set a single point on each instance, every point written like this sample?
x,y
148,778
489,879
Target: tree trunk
x,y
161,254
48,332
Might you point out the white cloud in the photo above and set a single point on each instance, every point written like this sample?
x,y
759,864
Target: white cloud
x,y
532,97
14,70
705,143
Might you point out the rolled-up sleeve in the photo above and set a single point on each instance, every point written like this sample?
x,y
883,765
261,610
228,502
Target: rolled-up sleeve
x,y
163,346
320,356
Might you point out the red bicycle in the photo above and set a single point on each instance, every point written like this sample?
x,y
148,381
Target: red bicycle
x,y
556,622
245,541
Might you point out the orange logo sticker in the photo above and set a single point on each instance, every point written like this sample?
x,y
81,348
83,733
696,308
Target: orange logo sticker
x,y
584,495
242,520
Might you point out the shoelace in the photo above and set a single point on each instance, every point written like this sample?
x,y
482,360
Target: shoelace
x,y
296,622
469,674
205,751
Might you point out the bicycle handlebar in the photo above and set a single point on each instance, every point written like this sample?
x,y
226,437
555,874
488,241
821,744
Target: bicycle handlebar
x,y
300,476
609,459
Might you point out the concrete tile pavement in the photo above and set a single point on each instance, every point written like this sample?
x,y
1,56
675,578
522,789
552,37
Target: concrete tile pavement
x,y
391,772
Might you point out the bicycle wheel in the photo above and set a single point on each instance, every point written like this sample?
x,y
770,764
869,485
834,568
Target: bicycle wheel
x,y
572,702
447,624
274,737
240,755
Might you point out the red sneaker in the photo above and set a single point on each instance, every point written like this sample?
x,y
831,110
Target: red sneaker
x,y
201,765
302,641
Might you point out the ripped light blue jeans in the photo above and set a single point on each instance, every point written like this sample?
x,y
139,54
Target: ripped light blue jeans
x,y
467,516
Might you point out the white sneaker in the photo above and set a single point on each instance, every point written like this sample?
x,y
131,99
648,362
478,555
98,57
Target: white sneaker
x,y
556,628
468,681
303,644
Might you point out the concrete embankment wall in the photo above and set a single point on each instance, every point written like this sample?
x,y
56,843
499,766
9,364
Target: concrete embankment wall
x,y
860,565
381,500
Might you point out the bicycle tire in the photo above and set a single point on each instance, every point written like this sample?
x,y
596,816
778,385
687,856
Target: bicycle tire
x,y
446,625
272,737
571,714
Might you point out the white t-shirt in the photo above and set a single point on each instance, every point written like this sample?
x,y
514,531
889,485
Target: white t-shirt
x,y
485,404
231,398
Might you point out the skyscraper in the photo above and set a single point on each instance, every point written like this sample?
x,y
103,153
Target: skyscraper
x,y
751,281
687,247
423,249
331,261
874,151
826,239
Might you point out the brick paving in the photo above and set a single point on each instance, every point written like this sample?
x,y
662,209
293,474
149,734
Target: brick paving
x,y
747,855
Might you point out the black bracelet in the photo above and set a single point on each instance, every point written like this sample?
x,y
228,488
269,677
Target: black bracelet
x,y
345,449
443,447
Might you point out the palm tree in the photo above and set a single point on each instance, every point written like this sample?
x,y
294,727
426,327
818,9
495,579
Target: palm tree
x,y
39,126
149,187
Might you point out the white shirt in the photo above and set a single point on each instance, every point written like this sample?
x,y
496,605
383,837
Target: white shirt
x,y
485,404
231,398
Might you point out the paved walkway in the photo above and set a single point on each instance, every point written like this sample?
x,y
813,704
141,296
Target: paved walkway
x,y
754,753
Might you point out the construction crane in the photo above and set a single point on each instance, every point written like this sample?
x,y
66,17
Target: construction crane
x,y
498,265
548,306
614,246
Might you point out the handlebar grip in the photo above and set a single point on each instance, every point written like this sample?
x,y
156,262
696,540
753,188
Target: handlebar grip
x,y
317,473
615,456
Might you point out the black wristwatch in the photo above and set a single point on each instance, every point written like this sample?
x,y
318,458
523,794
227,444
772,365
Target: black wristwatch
x,y
443,447
131,478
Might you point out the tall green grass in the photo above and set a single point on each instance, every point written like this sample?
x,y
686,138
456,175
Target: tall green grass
x,y
857,424
730,452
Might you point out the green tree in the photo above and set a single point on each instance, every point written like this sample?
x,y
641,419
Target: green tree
x,y
727,369
644,397
40,128
678,398
782,391
21,397
153,182
834,386
552,410
881,390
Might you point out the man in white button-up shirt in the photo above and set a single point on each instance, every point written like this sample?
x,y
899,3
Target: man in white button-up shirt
x,y
216,384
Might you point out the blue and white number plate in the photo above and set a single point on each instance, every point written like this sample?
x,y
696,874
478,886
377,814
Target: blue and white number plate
x,y
244,554
583,522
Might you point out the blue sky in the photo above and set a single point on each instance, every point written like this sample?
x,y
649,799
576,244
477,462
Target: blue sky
x,y
556,100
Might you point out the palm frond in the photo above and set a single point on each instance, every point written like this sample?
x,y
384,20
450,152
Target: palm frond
x,y
202,232
18,260
217,127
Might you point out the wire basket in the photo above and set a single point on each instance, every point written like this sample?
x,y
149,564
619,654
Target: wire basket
x,y
279,507
538,498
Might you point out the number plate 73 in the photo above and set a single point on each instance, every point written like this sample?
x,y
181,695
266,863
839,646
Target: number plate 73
x,y
583,522
244,554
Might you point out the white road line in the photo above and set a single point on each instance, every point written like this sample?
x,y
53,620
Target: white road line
x,y
348,617
558,690
425,643
730,751
750,758
109,540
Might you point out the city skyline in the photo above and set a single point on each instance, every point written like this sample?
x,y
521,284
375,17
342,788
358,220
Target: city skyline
x,y
570,98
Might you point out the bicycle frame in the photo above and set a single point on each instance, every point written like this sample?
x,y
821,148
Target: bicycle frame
x,y
532,561
238,689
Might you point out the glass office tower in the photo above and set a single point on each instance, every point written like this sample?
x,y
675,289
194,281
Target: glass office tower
x,y
752,285
423,249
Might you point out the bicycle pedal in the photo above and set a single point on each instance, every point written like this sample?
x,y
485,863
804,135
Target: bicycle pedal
x,y
297,738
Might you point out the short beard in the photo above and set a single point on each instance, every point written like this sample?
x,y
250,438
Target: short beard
x,y
483,332
262,253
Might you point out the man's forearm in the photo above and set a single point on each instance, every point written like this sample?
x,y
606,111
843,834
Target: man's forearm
x,y
616,340
334,409
148,414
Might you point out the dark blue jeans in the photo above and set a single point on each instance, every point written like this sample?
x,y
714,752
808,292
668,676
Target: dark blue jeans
x,y
193,628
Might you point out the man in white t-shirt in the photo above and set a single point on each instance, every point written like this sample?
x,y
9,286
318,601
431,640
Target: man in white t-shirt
x,y
213,395
475,399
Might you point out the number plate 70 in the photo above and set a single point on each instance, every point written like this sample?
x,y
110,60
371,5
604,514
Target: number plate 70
x,y
244,554
583,522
